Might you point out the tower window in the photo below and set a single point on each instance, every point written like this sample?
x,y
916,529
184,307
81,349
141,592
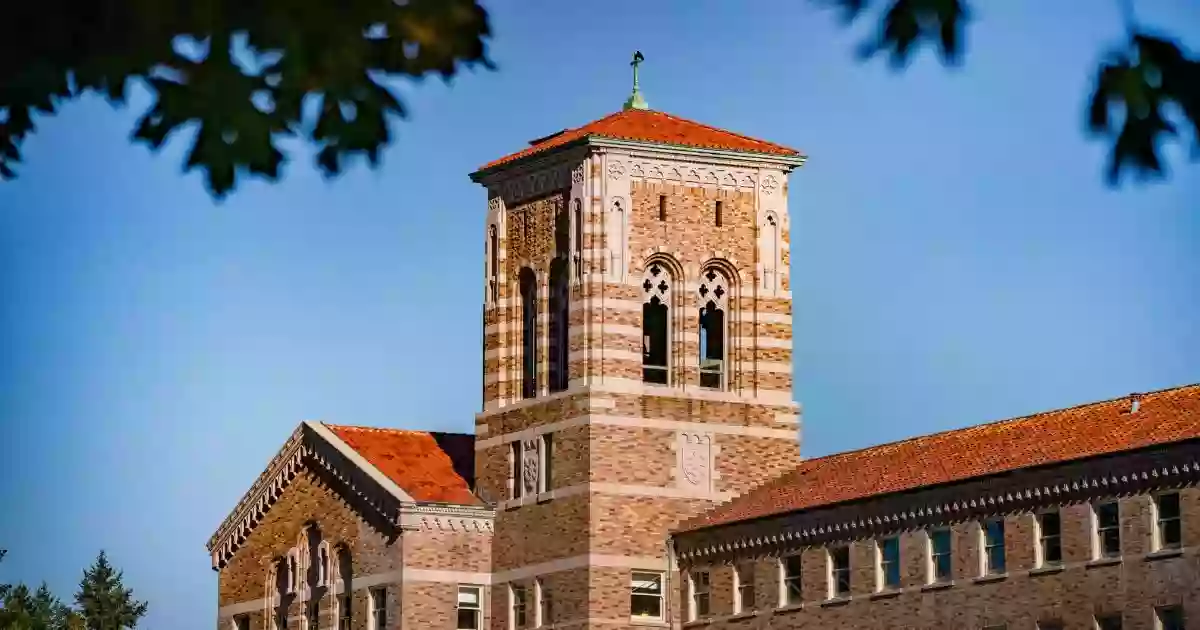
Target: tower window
x,y
529,346
493,260
713,298
662,207
517,470
578,240
560,315
655,325
717,211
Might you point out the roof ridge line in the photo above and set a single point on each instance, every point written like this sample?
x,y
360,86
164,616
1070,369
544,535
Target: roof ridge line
x,y
722,130
992,423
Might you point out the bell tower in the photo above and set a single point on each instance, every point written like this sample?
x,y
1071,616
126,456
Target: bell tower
x,y
637,360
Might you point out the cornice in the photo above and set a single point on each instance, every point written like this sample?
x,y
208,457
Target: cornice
x,y
279,471
570,151
821,526
447,518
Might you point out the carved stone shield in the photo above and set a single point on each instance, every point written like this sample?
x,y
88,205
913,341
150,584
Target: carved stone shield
x,y
695,463
530,464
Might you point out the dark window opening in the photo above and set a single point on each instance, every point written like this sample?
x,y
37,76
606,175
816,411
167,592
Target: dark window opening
x,y
712,346
654,342
839,559
529,345
560,315
662,207
578,240
717,213
516,470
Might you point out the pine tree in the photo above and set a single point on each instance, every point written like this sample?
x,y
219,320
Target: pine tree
x,y
103,600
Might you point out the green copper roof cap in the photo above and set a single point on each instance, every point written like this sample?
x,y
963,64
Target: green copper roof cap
x,y
635,100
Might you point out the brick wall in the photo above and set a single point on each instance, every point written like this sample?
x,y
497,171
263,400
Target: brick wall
x,y
1132,585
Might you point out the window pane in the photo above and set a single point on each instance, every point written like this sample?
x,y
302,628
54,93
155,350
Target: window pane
x,y
1106,515
1111,539
940,541
1051,526
1168,506
1170,618
1052,553
468,619
1170,533
468,597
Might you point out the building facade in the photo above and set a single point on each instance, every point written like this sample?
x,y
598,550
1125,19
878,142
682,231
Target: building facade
x,y
636,464
1085,518
636,371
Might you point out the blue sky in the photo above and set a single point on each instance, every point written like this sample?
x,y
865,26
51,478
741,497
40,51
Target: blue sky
x,y
956,259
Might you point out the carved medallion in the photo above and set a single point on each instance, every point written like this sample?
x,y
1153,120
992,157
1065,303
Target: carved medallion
x,y
616,170
694,463
769,184
530,463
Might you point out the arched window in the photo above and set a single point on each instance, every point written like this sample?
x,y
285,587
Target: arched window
x,y
493,260
578,255
770,253
529,345
345,571
656,287
560,315
714,295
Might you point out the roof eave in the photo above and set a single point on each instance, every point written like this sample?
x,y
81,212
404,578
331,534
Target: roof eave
x,y
758,158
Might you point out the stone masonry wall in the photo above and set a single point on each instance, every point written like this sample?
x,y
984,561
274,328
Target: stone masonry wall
x,y
305,500
1131,586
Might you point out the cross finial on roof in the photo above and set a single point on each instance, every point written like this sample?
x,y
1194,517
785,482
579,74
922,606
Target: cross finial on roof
x,y
635,100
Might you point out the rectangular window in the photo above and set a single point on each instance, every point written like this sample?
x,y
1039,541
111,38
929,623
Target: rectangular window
x,y
887,556
940,564
344,612
470,608
839,572
517,618
1167,516
544,455
712,347
1169,618
646,595
743,596
378,605
699,585
1108,622
993,546
542,599
1108,530
241,622
662,207
717,212
516,469
791,580
1049,526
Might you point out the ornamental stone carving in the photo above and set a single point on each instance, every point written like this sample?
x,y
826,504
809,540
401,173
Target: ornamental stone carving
x,y
769,184
530,466
616,170
696,461
577,174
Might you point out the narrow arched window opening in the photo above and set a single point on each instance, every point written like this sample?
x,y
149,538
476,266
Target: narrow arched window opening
x,y
656,287
493,259
713,298
662,207
529,346
770,254
718,211
578,258
560,316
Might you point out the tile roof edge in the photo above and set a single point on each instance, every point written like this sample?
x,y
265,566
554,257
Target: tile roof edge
x,y
943,484
326,432
732,133
782,476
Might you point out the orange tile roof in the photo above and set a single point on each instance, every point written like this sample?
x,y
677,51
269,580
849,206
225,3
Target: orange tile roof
x,y
1090,430
647,125
415,460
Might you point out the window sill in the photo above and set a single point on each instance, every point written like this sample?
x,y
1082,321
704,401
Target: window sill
x,y
987,579
1047,570
789,608
697,623
649,622
889,593
937,586
745,614
1163,554
1103,562
840,600
545,497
